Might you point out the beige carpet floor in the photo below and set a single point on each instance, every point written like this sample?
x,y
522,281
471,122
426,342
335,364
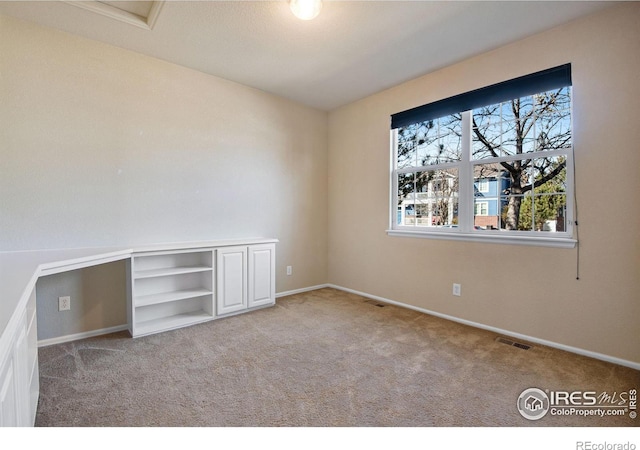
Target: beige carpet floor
x,y
325,358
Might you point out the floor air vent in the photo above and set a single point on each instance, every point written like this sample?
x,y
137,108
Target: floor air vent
x,y
513,343
374,303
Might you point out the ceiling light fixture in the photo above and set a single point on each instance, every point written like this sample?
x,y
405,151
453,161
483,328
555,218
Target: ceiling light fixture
x,y
305,9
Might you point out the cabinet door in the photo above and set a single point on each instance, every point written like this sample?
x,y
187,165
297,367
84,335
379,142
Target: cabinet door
x,y
262,276
231,293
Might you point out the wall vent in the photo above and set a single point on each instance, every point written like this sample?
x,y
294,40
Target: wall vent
x,y
503,340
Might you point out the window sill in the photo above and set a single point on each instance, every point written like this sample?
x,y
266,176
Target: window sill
x,y
541,241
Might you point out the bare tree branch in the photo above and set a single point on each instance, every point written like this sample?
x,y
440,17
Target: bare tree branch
x,y
548,176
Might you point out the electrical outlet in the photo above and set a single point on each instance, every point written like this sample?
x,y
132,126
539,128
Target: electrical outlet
x,y
289,270
457,290
64,303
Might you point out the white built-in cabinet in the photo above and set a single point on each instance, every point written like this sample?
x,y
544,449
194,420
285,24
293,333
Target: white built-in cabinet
x,y
246,278
19,378
168,286
181,287
232,280
262,275
170,290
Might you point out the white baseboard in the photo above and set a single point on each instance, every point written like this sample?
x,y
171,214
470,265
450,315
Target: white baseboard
x,y
579,351
299,291
78,336
92,333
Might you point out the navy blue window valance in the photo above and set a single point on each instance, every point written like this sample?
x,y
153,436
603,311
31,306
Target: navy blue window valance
x,y
545,80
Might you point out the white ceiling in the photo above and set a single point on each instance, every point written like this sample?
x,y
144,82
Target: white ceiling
x,y
351,50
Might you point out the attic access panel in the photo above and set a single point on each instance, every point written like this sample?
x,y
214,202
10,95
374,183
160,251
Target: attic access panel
x,y
141,14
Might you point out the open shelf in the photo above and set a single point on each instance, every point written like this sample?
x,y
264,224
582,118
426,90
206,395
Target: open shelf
x,y
171,322
164,297
170,290
153,273
181,287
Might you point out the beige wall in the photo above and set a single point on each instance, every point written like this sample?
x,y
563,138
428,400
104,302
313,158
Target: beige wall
x,y
102,146
527,290
98,300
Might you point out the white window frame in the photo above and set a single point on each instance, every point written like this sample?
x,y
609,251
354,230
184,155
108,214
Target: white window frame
x,y
465,229
477,204
483,185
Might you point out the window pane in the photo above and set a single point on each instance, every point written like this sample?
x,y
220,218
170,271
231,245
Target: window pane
x,y
488,184
532,194
487,140
511,141
553,131
550,175
512,214
548,125
406,147
535,123
488,180
507,113
549,212
550,201
515,184
554,100
432,142
433,202
406,203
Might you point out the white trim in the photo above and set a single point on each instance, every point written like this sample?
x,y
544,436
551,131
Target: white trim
x,y
578,351
482,182
393,178
83,335
154,12
481,202
81,263
113,12
542,241
300,291
93,333
466,198
567,348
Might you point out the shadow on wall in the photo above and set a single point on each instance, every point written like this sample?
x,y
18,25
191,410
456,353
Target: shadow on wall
x,y
98,300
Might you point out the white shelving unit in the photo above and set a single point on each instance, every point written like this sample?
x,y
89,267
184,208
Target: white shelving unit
x,y
169,285
170,290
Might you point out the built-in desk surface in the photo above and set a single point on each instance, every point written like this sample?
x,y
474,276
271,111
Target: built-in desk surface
x,y
19,270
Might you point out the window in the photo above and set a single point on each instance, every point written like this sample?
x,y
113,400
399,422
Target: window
x,y
491,164
481,208
482,185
